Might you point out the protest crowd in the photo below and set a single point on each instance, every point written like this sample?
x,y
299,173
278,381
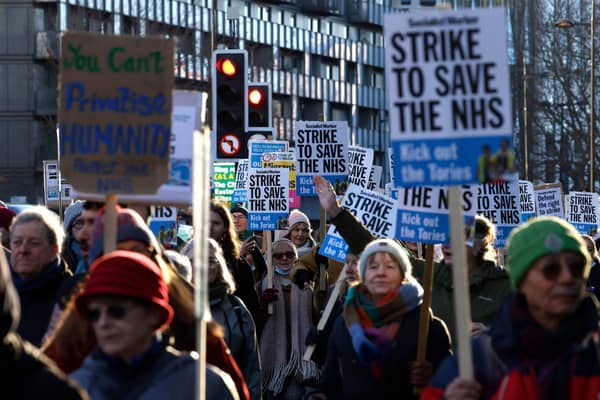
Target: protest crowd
x,y
83,324
444,285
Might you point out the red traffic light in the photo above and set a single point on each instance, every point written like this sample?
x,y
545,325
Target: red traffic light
x,y
227,67
255,97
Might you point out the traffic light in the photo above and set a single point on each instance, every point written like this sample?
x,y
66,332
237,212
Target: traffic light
x,y
259,105
230,115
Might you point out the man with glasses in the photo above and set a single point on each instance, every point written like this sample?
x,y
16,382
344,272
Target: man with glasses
x,y
543,343
126,302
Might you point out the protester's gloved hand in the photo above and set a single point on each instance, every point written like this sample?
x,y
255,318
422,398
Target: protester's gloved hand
x,y
270,295
365,349
302,276
313,336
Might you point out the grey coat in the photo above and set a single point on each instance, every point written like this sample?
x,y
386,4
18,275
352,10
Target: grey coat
x,y
240,336
165,374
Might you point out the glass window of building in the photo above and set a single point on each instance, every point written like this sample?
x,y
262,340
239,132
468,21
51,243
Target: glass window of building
x,y
339,29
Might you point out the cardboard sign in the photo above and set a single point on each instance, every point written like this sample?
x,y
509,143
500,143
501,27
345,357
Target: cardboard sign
x,y
240,193
360,163
499,202
582,210
268,203
549,200
449,96
375,211
423,214
527,200
321,149
189,113
284,160
224,181
114,112
392,165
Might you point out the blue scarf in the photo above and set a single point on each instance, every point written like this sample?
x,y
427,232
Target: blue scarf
x,y
82,265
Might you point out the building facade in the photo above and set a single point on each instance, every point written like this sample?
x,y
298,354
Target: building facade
x,y
324,59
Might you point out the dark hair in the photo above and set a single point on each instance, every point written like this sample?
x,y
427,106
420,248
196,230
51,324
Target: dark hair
x,y
92,205
486,231
229,242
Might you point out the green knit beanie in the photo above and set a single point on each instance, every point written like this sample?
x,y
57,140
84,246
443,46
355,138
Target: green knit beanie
x,y
539,237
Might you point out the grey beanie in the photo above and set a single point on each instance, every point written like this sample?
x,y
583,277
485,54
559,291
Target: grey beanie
x,y
71,213
385,246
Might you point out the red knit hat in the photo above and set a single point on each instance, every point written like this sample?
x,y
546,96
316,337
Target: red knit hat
x,y
127,273
6,217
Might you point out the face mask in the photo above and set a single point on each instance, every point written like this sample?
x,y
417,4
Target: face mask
x,y
280,272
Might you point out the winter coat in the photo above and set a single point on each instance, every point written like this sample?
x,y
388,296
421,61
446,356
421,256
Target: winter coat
x,y
344,376
489,284
504,367
38,295
244,283
25,373
240,336
161,373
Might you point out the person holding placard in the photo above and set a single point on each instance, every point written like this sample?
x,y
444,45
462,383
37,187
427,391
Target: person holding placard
x,y
488,283
543,343
373,346
282,339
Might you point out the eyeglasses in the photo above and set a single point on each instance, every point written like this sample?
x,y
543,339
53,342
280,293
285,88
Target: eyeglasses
x,y
239,217
288,254
553,270
116,312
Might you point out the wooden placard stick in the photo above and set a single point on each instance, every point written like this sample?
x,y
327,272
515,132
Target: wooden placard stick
x,y
110,224
322,232
424,314
269,254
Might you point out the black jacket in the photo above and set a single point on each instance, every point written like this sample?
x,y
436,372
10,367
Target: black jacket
x,y
38,295
344,376
25,373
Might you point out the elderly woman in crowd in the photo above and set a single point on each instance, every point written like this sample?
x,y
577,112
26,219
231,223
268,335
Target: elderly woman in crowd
x,y
234,317
299,232
282,340
373,345
126,302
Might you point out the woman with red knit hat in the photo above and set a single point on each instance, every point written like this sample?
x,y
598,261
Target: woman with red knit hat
x,y
126,302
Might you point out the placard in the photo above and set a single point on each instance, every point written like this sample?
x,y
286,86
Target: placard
x,y
163,223
268,204
423,215
360,163
257,148
449,96
375,211
549,200
321,149
284,160
527,200
114,114
582,210
499,202
240,193
224,181
375,177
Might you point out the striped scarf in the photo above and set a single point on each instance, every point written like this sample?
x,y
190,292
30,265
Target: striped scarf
x,y
379,322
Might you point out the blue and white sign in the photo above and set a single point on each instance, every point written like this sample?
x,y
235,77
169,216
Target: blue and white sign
x,y
376,212
449,96
527,200
256,148
423,215
582,210
268,201
499,202
240,193
321,149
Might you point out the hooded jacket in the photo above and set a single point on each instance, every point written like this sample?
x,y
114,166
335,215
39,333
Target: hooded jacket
x,y
25,373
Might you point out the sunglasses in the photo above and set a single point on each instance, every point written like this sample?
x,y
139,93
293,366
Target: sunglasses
x,y
553,270
115,312
287,254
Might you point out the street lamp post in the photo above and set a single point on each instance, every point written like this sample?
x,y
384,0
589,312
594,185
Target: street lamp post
x,y
568,24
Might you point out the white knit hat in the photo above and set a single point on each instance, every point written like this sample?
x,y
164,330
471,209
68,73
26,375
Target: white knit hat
x,y
297,216
385,246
